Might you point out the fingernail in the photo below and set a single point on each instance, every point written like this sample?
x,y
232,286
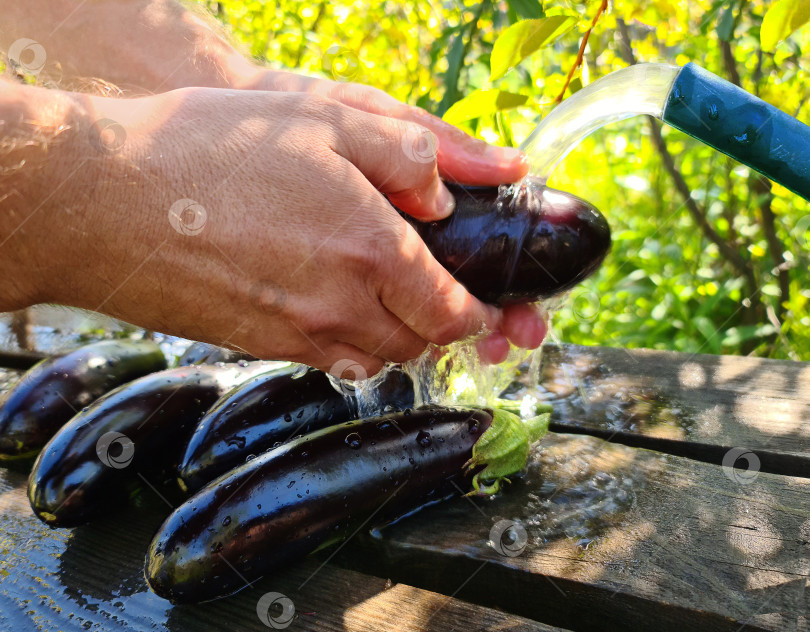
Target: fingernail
x,y
445,202
511,153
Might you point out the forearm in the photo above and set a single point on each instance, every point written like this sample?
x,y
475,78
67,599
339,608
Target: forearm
x,y
141,46
39,163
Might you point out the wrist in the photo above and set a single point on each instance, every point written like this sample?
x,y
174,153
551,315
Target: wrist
x,y
40,146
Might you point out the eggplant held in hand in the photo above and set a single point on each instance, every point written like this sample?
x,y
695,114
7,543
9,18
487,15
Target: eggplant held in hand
x,y
271,409
137,430
51,392
517,243
322,487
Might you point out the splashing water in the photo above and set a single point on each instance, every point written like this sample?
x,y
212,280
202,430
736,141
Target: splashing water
x,y
455,374
632,91
449,375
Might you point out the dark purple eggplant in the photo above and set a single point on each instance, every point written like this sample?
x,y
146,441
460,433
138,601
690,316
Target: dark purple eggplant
x,y
51,392
394,391
203,353
518,242
322,487
132,433
254,416
269,410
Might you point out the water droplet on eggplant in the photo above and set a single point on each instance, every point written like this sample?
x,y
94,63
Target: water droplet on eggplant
x,y
354,441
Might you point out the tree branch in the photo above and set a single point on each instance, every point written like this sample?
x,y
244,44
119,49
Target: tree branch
x,y
602,8
761,188
729,63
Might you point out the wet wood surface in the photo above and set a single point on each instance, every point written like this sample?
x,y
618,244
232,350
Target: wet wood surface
x,y
699,406
596,535
21,360
91,578
608,537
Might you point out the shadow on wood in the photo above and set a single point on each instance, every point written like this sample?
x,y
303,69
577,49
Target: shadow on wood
x,y
698,406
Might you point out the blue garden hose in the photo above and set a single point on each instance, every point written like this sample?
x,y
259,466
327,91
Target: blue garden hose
x,y
741,125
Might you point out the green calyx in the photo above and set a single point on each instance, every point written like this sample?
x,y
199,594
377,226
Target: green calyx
x,y
504,449
515,406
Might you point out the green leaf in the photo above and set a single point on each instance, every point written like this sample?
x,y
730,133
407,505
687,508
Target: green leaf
x,y
455,57
781,20
725,26
483,102
735,336
505,129
708,17
526,8
524,38
709,332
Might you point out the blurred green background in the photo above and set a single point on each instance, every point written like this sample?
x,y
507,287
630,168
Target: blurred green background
x,y
722,271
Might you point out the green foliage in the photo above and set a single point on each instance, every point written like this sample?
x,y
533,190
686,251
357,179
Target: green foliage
x,y
665,285
782,19
524,38
484,101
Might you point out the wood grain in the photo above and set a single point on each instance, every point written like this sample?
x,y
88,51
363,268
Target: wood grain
x,y
91,578
699,406
618,538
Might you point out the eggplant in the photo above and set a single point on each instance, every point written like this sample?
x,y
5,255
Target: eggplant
x,y
203,353
394,391
323,487
134,432
252,417
268,410
51,392
517,243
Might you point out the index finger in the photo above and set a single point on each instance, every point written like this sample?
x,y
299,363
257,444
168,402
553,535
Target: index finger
x,y
461,157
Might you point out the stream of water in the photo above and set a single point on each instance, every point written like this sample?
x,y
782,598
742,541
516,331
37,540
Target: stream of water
x,y
455,374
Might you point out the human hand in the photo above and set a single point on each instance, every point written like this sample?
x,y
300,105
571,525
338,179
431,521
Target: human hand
x,y
280,241
460,158
119,41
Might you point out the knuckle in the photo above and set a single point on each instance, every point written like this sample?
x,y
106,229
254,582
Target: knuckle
x,y
315,322
419,146
375,249
447,330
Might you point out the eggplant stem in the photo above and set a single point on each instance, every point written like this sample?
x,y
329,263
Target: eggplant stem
x,y
514,406
504,449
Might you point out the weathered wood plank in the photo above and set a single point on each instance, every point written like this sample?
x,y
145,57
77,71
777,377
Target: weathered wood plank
x,y
617,538
698,406
20,360
91,578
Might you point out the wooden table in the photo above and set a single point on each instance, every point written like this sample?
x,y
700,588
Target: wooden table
x,y
631,516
